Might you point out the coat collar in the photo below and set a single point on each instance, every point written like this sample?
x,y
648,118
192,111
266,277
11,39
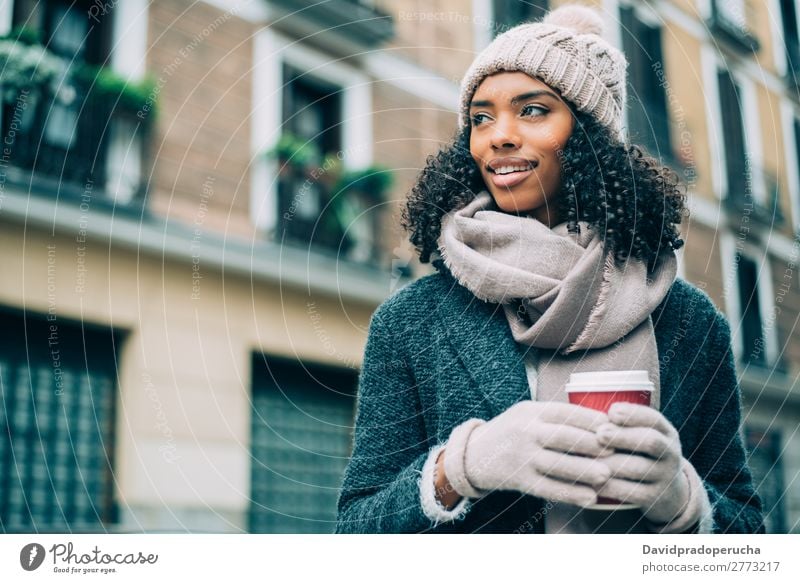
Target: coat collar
x,y
481,338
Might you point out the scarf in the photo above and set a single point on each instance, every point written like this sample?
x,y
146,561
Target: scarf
x,y
565,296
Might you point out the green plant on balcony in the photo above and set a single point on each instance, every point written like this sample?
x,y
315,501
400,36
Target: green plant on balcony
x,y
25,63
374,181
347,195
25,35
357,190
128,96
292,152
356,193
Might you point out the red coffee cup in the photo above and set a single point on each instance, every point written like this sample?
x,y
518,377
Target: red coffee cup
x,y
599,390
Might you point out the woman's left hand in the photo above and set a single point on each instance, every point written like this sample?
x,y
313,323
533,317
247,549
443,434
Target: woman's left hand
x,y
650,470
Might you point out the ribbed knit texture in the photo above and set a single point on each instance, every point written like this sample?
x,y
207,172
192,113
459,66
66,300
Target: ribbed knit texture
x,y
436,356
566,51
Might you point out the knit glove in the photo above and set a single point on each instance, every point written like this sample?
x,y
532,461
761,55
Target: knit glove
x,y
649,469
533,447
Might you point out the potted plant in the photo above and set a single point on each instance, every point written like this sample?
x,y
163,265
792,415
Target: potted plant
x,y
135,97
292,153
25,63
355,194
373,182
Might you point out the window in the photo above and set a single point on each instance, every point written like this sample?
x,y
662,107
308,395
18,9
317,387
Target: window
x,y
312,114
790,36
766,464
509,13
70,123
314,183
736,161
63,135
57,407
648,118
753,346
752,186
316,205
302,421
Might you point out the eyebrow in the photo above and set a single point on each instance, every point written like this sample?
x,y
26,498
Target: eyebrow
x,y
518,98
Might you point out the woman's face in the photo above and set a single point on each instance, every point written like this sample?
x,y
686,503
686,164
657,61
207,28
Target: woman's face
x,y
519,127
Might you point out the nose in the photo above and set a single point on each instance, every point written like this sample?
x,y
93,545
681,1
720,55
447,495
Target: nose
x,y
505,132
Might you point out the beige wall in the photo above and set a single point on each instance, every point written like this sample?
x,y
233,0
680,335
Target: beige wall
x,y
686,105
764,26
703,262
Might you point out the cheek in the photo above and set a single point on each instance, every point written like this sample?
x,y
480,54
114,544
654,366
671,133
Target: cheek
x,y
555,152
476,158
553,166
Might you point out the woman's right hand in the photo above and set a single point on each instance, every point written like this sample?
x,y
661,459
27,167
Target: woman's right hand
x,y
545,449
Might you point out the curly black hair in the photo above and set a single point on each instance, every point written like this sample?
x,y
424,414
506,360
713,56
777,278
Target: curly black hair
x,y
618,189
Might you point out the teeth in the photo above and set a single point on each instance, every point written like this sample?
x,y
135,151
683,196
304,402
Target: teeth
x,y
509,169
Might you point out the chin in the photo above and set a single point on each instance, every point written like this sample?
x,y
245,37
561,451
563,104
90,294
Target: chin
x,y
508,203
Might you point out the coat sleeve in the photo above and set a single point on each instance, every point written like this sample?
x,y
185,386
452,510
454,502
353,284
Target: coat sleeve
x,y
719,457
381,491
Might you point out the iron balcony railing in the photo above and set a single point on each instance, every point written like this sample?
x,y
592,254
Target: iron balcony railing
x,y
57,139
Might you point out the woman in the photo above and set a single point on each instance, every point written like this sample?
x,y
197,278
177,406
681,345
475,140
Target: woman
x,y
554,247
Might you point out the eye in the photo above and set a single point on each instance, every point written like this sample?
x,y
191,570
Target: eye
x,y
476,119
534,108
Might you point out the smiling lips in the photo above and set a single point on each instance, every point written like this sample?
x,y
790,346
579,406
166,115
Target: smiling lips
x,y
508,172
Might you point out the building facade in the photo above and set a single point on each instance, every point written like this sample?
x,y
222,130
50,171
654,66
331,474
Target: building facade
x,y
199,207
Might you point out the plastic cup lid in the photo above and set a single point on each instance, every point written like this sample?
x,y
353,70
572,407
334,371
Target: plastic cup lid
x,y
609,380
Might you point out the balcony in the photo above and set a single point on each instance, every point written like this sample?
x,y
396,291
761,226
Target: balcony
x,y
354,22
326,208
72,131
729,21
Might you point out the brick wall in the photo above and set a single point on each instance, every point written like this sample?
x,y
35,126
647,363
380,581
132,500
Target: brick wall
x,y
202,57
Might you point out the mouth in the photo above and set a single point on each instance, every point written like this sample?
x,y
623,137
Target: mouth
x,y
511,174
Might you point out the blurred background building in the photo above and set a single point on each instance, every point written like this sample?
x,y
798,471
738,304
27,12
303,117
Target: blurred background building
x,y
199,211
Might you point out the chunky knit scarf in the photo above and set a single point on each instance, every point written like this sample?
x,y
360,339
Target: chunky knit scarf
x,y
561,294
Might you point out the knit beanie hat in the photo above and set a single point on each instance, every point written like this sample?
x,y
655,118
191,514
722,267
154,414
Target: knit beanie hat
x,y
567,52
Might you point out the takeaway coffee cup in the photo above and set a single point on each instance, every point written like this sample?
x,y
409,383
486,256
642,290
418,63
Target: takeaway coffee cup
x,y
599,390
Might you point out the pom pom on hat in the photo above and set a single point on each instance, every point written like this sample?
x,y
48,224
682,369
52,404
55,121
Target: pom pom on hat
x,y
581,19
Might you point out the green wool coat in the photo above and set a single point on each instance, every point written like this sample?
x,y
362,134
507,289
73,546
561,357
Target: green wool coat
x,y
437,356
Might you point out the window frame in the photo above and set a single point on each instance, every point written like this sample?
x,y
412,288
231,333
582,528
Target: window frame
x,y
62,352
764,289
647,17
712,65
271,50
790,115
295,383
